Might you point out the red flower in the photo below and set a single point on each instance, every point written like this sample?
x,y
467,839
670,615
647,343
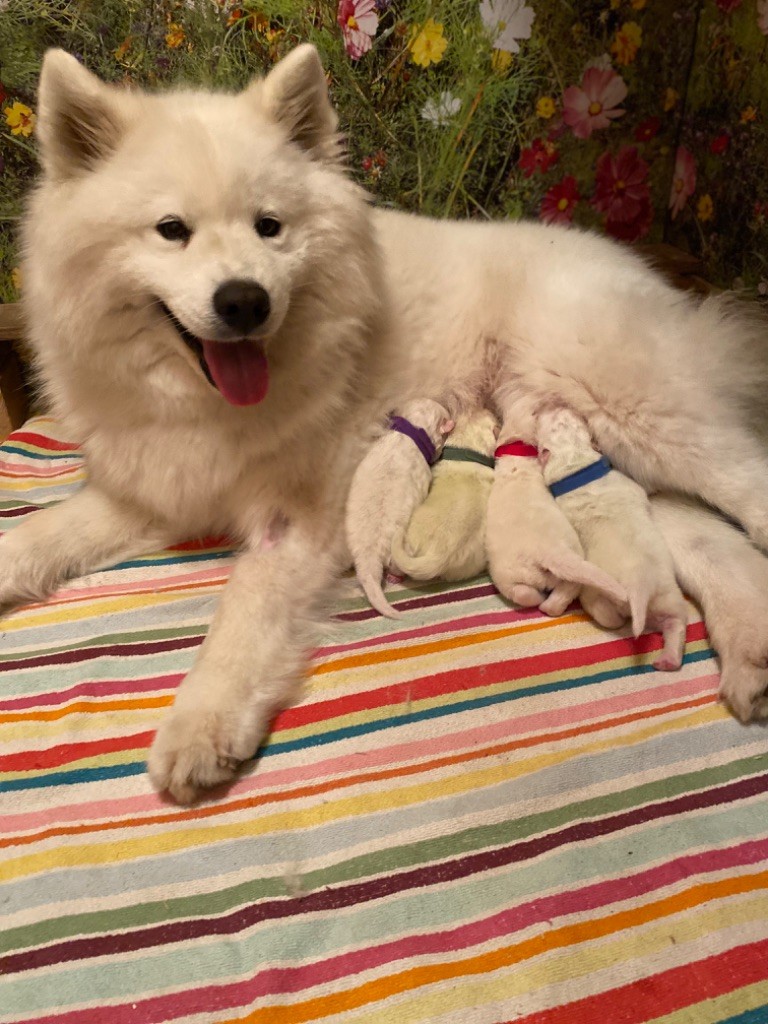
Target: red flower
x,y
719,145
729,6
539,156
3,94
635,229
648,129
558,205
621,193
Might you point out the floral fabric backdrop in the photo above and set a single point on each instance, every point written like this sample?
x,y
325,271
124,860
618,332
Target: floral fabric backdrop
x,y
720,185
568,111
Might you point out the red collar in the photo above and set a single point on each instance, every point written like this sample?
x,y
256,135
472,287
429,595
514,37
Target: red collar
x,y
519,448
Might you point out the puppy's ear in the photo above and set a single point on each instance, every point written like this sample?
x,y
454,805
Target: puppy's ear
x,y
81,119
295,95
447,426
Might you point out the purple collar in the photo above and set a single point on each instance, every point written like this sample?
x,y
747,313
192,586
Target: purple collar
x,y
418,435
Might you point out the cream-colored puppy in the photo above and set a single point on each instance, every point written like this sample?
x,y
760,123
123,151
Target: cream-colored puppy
x,y
534,554
445,538
390,482
612,516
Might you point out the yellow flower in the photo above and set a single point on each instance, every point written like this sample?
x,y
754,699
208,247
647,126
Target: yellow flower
x,y
627,42
123,48
16,278
671,97
501,60
19,119
427,43
545,107
638,5
748,114
705,208
174,36
615,4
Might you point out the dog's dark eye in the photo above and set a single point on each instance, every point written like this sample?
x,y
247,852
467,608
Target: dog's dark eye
x,y
268,227
173,230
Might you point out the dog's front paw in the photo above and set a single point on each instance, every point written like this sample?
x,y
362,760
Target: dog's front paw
x,y
198,748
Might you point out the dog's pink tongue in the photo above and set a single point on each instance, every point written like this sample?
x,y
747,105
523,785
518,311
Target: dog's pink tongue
x,y
239,369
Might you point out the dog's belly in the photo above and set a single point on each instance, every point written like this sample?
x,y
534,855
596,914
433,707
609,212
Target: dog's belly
x,y
550,313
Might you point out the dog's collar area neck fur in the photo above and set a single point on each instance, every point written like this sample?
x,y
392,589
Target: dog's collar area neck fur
x,y
418,435
582,477
518,448
454,454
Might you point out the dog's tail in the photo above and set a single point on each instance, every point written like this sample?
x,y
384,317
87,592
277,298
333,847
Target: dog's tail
x,y
567,565
639,598
370,581
457,557
428,565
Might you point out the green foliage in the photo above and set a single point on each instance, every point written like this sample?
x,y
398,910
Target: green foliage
x,y
460,167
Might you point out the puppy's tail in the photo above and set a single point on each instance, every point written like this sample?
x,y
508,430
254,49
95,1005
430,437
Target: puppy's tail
x,y
567,565
371,583
639,598
428,565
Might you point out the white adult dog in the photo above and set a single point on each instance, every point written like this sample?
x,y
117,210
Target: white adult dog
x,y
218,314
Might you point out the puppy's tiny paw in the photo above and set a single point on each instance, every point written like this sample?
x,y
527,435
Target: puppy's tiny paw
x,y
666,663
195,750
525,596
744,686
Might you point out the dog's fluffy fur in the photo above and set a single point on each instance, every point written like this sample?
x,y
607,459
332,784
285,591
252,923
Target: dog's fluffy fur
x,y
369,308
445,538
612,517
391,481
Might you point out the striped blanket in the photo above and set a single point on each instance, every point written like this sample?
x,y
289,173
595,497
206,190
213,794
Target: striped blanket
x,y
474,816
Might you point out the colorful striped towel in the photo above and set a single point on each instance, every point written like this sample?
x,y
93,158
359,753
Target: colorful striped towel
x,y
474,816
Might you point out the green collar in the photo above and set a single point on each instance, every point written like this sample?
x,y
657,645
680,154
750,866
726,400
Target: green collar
x,y
467,455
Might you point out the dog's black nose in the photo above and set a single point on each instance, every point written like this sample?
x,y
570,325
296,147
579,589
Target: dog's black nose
x,y
242,305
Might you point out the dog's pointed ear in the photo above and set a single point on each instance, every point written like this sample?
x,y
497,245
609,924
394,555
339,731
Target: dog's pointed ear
x,y
80,118
295,95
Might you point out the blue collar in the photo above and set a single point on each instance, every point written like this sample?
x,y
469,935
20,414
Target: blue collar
x,y
594,471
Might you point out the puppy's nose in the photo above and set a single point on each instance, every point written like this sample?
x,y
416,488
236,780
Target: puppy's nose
x,y
242,305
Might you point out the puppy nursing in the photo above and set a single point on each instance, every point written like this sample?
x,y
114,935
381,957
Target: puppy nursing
x,y
445,538
534,554
390,482
612,517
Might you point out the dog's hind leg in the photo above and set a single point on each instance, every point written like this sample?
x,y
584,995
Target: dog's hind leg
x,y
720,569
88,531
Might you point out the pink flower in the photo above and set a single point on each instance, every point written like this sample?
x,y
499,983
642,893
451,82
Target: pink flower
x,y
358,20
729,6
621,193
558,205
593,104
683,181
539,156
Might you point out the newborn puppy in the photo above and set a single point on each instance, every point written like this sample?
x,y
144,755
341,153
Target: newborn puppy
x,y
390,482
612,516
445,538
532,548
